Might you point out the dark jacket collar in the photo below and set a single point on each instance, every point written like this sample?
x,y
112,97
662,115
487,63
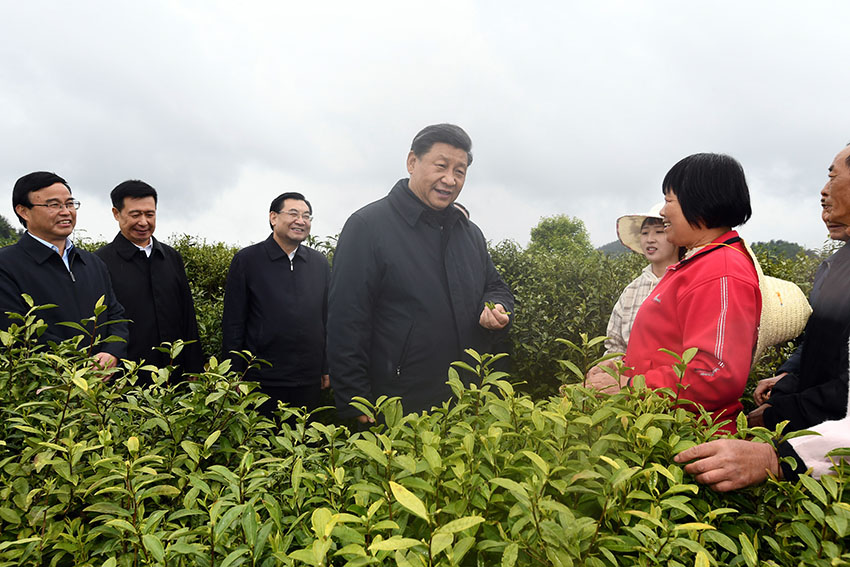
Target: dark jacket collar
x,y
41,253
275,252
128,250
411,208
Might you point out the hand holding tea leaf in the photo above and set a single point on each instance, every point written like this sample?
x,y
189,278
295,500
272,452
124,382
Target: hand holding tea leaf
x,y
494,316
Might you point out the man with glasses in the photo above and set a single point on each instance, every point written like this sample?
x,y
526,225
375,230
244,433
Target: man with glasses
x,y
275,307
46,265
150,281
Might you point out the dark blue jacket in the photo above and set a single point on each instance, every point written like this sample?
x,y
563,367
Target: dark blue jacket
x,y
815,390
30,267
277,309
406,295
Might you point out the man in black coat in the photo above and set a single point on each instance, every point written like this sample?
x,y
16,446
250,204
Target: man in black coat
x,y
150,281
811,387
275,307
411,281
46,265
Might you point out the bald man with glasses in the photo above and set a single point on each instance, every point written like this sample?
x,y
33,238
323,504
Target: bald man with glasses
x,y
46,265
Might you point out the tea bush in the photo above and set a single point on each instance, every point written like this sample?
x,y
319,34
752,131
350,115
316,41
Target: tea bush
x,y
98,470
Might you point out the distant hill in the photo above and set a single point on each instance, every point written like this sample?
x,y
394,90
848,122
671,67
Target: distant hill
x,y
614,248
778,248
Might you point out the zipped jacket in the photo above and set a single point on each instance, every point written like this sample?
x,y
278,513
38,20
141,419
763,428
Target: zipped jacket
x,y
30,267
711,301
405,299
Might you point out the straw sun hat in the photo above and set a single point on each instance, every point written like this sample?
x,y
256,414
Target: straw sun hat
x,y
784,310
628,227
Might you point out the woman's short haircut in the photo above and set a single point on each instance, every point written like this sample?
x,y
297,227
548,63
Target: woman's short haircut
x,y
711,189
449,134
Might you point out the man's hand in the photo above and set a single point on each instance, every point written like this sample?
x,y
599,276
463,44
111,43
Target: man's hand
x,y
764,387
756,418
495,318
365,419
730,464
325,381
104,360
600,380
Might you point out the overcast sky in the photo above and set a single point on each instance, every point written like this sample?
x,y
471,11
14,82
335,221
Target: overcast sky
x,y
573,107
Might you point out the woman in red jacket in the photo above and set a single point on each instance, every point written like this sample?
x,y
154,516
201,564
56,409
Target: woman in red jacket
x,y
709,300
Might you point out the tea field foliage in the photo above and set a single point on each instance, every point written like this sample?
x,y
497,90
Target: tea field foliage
x,y
96,469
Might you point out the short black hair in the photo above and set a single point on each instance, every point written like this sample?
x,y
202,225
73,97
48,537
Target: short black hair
x,y
277,202
711,189
33,182
442,134
651,221
132,188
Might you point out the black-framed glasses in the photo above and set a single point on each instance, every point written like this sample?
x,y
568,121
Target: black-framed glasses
x,y
307,217
56,206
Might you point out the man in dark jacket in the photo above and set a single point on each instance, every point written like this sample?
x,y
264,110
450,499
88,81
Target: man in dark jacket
x,y
46,265
411,280
150,281
275,307
809,386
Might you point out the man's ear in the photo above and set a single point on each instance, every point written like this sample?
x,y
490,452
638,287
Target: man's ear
x,y
115,213
411,161
23,212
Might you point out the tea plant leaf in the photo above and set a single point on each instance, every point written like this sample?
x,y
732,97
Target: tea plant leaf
x,y
372,451
394,543
460,524
722,540
748,551
805,533
814,488
694,526
154,546
233,556
509,556
409,501
211,438
538,462
440,542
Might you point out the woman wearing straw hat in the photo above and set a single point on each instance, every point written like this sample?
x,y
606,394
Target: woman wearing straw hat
x,y
644,234
710,300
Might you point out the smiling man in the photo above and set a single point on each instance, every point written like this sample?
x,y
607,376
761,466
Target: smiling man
x,y
411,281
150,281
275,306
47,266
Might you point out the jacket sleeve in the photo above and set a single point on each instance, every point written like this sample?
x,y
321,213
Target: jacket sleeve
x,y
719,318
810,406
10,299
193,354
496,290
792,364
351,302
114,312
327,275
235,316
615,341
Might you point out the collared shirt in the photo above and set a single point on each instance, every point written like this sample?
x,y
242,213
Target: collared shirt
x,y
65,256
626,309
146,249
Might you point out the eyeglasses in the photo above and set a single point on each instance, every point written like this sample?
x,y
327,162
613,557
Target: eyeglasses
x,y
307,217
56,206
